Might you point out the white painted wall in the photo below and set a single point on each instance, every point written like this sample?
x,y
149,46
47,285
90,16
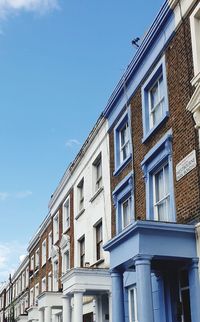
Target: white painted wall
x,y
100,208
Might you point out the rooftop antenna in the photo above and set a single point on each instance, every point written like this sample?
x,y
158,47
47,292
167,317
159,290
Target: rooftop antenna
x,y
134,42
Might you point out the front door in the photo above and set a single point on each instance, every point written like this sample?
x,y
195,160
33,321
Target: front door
x,y
88,317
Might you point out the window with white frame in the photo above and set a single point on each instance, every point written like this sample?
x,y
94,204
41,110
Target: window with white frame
x,y
66,261
50,282
36,293
56,228
37,258
158,174
31,297
122,142
32,263
97,165
49,244
99,240
155,107
126,211
124,203
55,275
44,252
80,190
23,281
27,277
195,35
132,301
26,302
161,193
43,284
66,214
82,251
156,101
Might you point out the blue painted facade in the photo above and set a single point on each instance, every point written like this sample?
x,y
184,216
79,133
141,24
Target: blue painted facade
x,y
158,258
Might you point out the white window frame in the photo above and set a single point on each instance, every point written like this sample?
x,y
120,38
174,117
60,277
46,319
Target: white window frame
x,y
55,275
159,104
44,252
66,214
65,266
135,303
80,242
148,126
32,263
129,199
23,280
50,243
37,258
97,177
31,296
44,285
27,277
36,293
56,228
166,197
80,193
123,146
99,243
195,35
50,282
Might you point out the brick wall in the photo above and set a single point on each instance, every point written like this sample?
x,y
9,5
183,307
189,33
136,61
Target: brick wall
x,y
179,67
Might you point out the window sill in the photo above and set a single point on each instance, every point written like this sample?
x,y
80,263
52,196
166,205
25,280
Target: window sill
x,y
96,194
37,271
122,166
156,127
66,230
97,263
195,80
80,213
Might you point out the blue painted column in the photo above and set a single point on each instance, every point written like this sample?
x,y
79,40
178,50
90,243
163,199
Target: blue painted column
x,y
117,296
194,290
144,288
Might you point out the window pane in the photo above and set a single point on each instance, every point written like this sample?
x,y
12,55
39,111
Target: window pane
x,y
126,215
123,136
124,143
159,185
161,87
157,113
162,197
154,95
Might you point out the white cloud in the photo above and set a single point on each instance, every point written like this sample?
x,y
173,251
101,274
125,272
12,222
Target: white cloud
x,y
16,195
23,194
10,255
4,196
71,143
12,6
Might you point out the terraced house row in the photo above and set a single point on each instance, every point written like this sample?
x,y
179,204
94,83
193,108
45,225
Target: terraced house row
x,y
120,242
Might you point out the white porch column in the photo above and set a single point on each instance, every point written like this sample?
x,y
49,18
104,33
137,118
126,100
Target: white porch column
x,y
78,306
47,314
66,308
41,316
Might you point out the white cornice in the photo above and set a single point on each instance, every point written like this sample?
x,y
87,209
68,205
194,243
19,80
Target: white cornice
x,y
74,164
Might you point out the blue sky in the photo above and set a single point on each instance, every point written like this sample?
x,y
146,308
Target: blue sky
x,y
59,62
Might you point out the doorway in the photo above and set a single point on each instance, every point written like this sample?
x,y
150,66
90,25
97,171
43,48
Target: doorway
x,y
88,317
